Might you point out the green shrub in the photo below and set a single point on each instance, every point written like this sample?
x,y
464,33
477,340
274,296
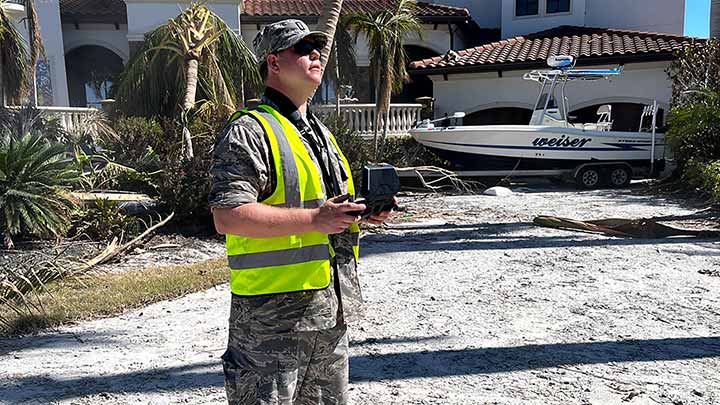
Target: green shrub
x,y
704,175
183,185
138,143
357,150
694,131
104,220
35,179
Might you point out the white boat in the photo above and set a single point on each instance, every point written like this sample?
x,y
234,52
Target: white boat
x,y
549,141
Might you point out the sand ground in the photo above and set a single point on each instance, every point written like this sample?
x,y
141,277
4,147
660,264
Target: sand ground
x,y
467,303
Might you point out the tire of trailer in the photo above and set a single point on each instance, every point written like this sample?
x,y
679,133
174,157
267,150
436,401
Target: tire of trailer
x,y
619,176
588,177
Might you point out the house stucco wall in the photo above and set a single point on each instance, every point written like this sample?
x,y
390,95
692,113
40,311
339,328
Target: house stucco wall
x,y
144,16
105,35
471,92
52,36
515,26
641,15
486,13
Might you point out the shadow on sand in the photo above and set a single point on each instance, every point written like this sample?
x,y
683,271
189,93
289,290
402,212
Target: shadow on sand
x,y
365,368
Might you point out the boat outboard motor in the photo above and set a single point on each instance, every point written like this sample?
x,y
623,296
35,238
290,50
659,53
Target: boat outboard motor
x,y
561,61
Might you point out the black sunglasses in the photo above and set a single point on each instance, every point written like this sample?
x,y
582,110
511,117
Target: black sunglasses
x,y
304,48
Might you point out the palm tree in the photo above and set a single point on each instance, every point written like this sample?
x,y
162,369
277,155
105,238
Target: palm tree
x,y
385,32
195,53
13,59
35,176
328,24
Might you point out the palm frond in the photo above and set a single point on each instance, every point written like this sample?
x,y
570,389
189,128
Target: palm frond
x,y
36,175
153,82
13,59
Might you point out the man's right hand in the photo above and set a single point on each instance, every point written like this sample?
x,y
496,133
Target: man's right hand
x,y
332,217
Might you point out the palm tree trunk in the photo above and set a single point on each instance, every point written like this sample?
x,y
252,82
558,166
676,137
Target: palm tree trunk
x,y
242,90
378,114
383,108
715,19
36,47
9,244
328,23
2,83
337,81
189,102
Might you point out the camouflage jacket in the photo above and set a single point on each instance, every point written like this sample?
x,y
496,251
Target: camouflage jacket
x,y
242,172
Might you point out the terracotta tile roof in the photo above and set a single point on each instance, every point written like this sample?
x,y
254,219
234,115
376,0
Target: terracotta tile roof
x,y
312,8
95,11
581,42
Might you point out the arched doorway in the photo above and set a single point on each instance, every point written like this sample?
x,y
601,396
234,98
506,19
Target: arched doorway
x,y
91,71
419,85
499,116
625,116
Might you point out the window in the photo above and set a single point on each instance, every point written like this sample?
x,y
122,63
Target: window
x,y
558,6
526,7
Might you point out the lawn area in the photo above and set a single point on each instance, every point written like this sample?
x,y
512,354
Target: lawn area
x,y
103,295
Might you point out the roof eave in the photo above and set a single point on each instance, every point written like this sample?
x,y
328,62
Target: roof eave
x,y
313,19
83,19
586,61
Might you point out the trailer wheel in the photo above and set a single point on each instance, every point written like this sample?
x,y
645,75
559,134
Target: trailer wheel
x,y
619,176
588,177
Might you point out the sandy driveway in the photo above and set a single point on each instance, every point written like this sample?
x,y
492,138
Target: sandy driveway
x,y
471,305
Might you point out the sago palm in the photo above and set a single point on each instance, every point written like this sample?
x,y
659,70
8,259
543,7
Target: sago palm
x,y
35,177
193,55
13,59
385,32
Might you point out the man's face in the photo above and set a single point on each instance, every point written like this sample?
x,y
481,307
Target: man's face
x,y
299,65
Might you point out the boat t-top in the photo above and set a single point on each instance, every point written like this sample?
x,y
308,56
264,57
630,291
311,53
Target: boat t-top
x,y
592,153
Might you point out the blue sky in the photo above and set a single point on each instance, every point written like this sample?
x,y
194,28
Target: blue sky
x,y
697,18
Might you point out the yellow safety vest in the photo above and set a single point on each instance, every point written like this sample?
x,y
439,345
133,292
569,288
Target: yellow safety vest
x,y
286,263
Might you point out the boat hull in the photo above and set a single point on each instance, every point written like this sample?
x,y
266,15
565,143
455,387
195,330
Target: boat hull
x,y
526,147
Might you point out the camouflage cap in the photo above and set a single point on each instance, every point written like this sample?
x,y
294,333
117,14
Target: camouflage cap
x,y
283,35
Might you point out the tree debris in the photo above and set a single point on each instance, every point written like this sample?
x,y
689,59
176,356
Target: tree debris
x,y
644,228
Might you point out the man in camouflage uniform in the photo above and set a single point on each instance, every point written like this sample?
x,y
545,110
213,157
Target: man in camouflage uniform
x,y
287,348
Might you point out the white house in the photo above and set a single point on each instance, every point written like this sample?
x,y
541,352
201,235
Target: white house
x,y
486,81
89,41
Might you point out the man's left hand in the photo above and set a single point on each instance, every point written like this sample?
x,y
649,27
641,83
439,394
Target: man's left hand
x,y
378,219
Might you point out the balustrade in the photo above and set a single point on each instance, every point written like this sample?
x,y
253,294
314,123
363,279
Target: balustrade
x,y
69,117
361,117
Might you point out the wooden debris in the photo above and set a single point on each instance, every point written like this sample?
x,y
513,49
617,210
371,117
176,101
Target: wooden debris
x,y
624,228
114,249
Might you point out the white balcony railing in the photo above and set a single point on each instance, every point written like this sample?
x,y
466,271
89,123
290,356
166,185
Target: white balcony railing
x,y
69,117
361,117
15,8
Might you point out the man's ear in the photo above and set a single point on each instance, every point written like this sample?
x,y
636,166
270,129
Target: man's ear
x,y
272,63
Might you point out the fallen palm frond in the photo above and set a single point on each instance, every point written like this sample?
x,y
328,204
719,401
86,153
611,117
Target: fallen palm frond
x,y
645,228
20,288
455,182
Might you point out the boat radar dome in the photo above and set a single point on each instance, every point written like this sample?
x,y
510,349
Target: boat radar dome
x,y
561,61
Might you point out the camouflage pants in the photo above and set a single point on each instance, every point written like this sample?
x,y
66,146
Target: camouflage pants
x,y
287,368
